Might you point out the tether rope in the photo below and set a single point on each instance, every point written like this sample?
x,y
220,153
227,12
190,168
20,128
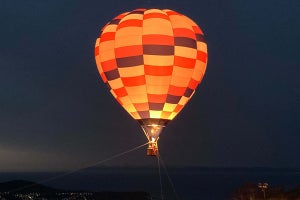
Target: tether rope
x,y
160,179
79,169
168,176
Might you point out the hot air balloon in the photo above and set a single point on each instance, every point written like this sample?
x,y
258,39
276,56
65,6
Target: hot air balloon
x,y
152,61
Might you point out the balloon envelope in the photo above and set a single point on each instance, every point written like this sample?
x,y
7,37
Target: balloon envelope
x,y
152,60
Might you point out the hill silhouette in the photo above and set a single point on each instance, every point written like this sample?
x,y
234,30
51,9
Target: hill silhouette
x,y
21,189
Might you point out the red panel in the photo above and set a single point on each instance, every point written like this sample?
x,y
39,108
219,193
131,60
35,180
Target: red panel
x,y
107,36
202,56
193,84
130,22
134,81
156,15
97,51
158,70
184,62
109,65
128,51
177,91
119,101
183,32
157,98
171,12
197,30
178,108
103,77
121,92
158,39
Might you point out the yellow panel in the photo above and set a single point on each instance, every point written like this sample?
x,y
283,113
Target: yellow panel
x,y
158,80
157,26
157,89
125,100
140,98
183,100
116,83
129,108
202,46
172,116
182,72
136,90
158,60
168,107
180,22
180,81
106,46
110,28
186,52
131,71
155,114
199,71
128,41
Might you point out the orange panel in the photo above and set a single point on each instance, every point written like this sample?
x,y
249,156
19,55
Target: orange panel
x,y
165,115
186,52
158,80
199,71
141,106
135,115
132,30
157,89
180,22
157,26
158,60
128,40
141,98
141,89
131,71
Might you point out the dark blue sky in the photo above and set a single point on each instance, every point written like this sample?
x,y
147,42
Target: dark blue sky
x,y
55,112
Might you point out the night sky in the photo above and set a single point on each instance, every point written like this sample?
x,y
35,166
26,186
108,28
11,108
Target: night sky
x,y
57,114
